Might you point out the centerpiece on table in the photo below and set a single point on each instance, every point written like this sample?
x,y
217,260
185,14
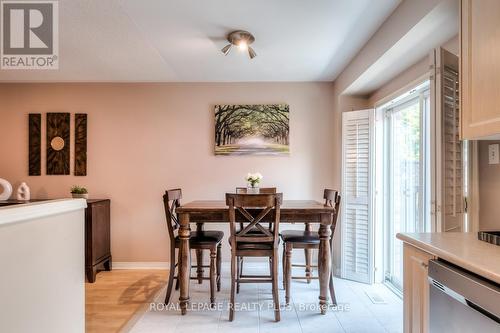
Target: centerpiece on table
x,y
253,181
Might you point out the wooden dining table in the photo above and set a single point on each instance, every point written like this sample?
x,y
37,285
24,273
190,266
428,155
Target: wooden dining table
x,y
292,211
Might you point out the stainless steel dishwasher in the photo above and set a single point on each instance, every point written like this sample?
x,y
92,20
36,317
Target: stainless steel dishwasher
x,y
461,301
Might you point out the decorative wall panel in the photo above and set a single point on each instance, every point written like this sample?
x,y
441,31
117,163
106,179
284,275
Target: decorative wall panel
x,y
58,143
34,144
80,144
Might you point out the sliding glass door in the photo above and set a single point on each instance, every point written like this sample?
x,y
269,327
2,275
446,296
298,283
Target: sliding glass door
x,y
407,175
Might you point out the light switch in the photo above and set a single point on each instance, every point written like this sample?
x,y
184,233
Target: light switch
x,y
493,154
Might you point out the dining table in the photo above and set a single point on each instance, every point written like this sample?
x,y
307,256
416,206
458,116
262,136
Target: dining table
x,y
292,211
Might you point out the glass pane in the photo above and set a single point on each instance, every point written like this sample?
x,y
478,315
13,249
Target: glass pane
x,y
405,179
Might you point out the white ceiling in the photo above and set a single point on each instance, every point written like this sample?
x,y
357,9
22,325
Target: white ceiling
x,y
180,41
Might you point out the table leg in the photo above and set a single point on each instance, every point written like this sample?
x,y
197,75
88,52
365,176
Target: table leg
x,y
184,261
324,265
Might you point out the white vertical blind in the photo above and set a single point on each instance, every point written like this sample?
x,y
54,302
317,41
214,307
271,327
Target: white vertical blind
x,y
452,163
357,217
450,177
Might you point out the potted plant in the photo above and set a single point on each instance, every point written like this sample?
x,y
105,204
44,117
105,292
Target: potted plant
x,y
253,180
79,192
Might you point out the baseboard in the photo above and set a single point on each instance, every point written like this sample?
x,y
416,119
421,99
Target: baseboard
x,y
141,265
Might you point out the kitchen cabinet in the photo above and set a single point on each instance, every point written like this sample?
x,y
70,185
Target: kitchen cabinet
x,y
480,69
424,307
415,289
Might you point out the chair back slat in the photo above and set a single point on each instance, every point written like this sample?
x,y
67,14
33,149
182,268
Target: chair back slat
x,y
332,199
172,200
264,204
254,222
336,206
330,196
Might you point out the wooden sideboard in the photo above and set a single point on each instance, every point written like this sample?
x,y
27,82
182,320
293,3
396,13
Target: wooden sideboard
x,y
97,237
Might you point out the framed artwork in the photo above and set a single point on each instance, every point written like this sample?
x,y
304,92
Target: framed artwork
x,y
252,129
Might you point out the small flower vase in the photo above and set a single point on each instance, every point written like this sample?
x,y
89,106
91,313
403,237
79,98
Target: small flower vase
x,y
80,195
253,189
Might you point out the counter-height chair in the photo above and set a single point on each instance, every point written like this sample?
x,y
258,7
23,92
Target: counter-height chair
x,y
239,267
254,208
262,190
200,240
307,240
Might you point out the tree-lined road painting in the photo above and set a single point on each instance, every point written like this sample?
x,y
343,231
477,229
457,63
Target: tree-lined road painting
x,y
252,129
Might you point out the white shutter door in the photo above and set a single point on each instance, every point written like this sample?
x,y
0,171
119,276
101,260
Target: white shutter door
x,y
452,207
356,224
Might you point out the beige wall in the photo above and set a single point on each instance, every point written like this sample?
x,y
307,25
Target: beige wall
x,y
144,138
489,190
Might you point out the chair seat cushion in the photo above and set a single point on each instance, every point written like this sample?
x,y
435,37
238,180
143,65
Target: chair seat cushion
x,y
204,237
299,236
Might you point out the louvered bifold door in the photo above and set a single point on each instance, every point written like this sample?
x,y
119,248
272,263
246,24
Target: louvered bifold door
x,y
452,205
357,217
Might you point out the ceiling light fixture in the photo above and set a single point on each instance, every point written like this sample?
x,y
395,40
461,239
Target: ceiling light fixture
x,y
242,39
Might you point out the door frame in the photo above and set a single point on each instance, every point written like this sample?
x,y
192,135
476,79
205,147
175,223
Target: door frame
x,y
381,195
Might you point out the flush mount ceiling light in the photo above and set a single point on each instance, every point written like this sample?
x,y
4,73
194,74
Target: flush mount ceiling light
x,y
241,39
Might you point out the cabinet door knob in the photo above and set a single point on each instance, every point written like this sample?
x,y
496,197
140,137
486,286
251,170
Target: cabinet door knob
x,y
424,265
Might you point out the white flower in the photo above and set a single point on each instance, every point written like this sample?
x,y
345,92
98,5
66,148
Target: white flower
x,y
254,177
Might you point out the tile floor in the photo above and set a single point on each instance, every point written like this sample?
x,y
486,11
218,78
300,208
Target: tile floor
x,y
359,314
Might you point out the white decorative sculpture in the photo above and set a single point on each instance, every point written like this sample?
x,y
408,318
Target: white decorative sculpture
x,y
23,192
7,189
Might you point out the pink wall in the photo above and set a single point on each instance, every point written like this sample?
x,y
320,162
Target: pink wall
x,y
144,138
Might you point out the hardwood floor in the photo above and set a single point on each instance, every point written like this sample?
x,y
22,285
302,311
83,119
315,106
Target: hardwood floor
x,y
113,300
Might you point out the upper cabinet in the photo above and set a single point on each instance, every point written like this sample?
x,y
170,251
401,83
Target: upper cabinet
x,y
480,69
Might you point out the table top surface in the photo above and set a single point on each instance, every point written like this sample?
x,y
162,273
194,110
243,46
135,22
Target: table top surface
x,y
288,205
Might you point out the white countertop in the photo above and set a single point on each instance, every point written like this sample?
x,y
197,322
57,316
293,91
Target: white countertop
x,y
460,248
33,210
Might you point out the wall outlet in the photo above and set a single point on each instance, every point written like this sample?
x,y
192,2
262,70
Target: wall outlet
x,y
493,154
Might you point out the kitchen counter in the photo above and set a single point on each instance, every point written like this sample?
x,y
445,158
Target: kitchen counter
x,y
16,211
42,264
459,248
